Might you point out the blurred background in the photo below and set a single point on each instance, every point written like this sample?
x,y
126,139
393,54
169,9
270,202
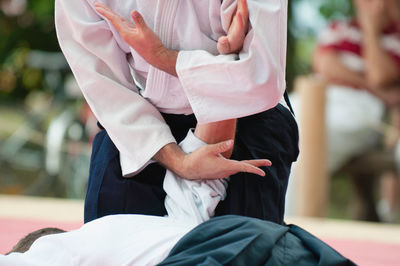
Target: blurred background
x,y
45,123
46,128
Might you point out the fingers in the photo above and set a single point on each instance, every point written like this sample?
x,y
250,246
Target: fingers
x,y
138,19
258,163
106,11
119,22
243,8
240,22
233,42
249,166
246,168
244,14
220,147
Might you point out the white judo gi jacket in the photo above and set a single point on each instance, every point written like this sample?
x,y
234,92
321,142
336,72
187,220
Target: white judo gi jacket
x,y
126,94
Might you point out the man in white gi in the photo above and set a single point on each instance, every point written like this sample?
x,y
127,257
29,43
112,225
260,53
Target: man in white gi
x,y
126,85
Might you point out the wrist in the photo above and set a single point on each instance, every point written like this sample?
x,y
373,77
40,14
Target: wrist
x,y
172,157
165,60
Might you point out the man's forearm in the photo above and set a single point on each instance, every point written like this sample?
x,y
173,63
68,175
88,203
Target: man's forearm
x,y
212,133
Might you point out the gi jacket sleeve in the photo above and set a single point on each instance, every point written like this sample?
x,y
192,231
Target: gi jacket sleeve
x,y
102,71
239,85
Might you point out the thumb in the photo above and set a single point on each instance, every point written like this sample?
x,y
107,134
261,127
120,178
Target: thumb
x,y
138,19
223,45
220,147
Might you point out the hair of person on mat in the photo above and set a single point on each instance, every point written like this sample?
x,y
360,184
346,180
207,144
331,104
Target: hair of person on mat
x,y
26,242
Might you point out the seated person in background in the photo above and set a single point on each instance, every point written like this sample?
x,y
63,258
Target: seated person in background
x,y
360,58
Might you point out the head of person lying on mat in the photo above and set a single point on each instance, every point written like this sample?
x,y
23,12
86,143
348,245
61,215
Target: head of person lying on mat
x,y
26,242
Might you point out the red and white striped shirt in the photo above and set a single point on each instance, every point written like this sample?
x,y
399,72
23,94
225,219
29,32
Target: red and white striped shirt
x,y
345,37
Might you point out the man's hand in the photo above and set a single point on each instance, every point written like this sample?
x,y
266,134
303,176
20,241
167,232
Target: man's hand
x,y
206,162
233,42
142,39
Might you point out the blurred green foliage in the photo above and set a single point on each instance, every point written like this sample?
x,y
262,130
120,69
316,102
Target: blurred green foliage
x,y
336,9
32,29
